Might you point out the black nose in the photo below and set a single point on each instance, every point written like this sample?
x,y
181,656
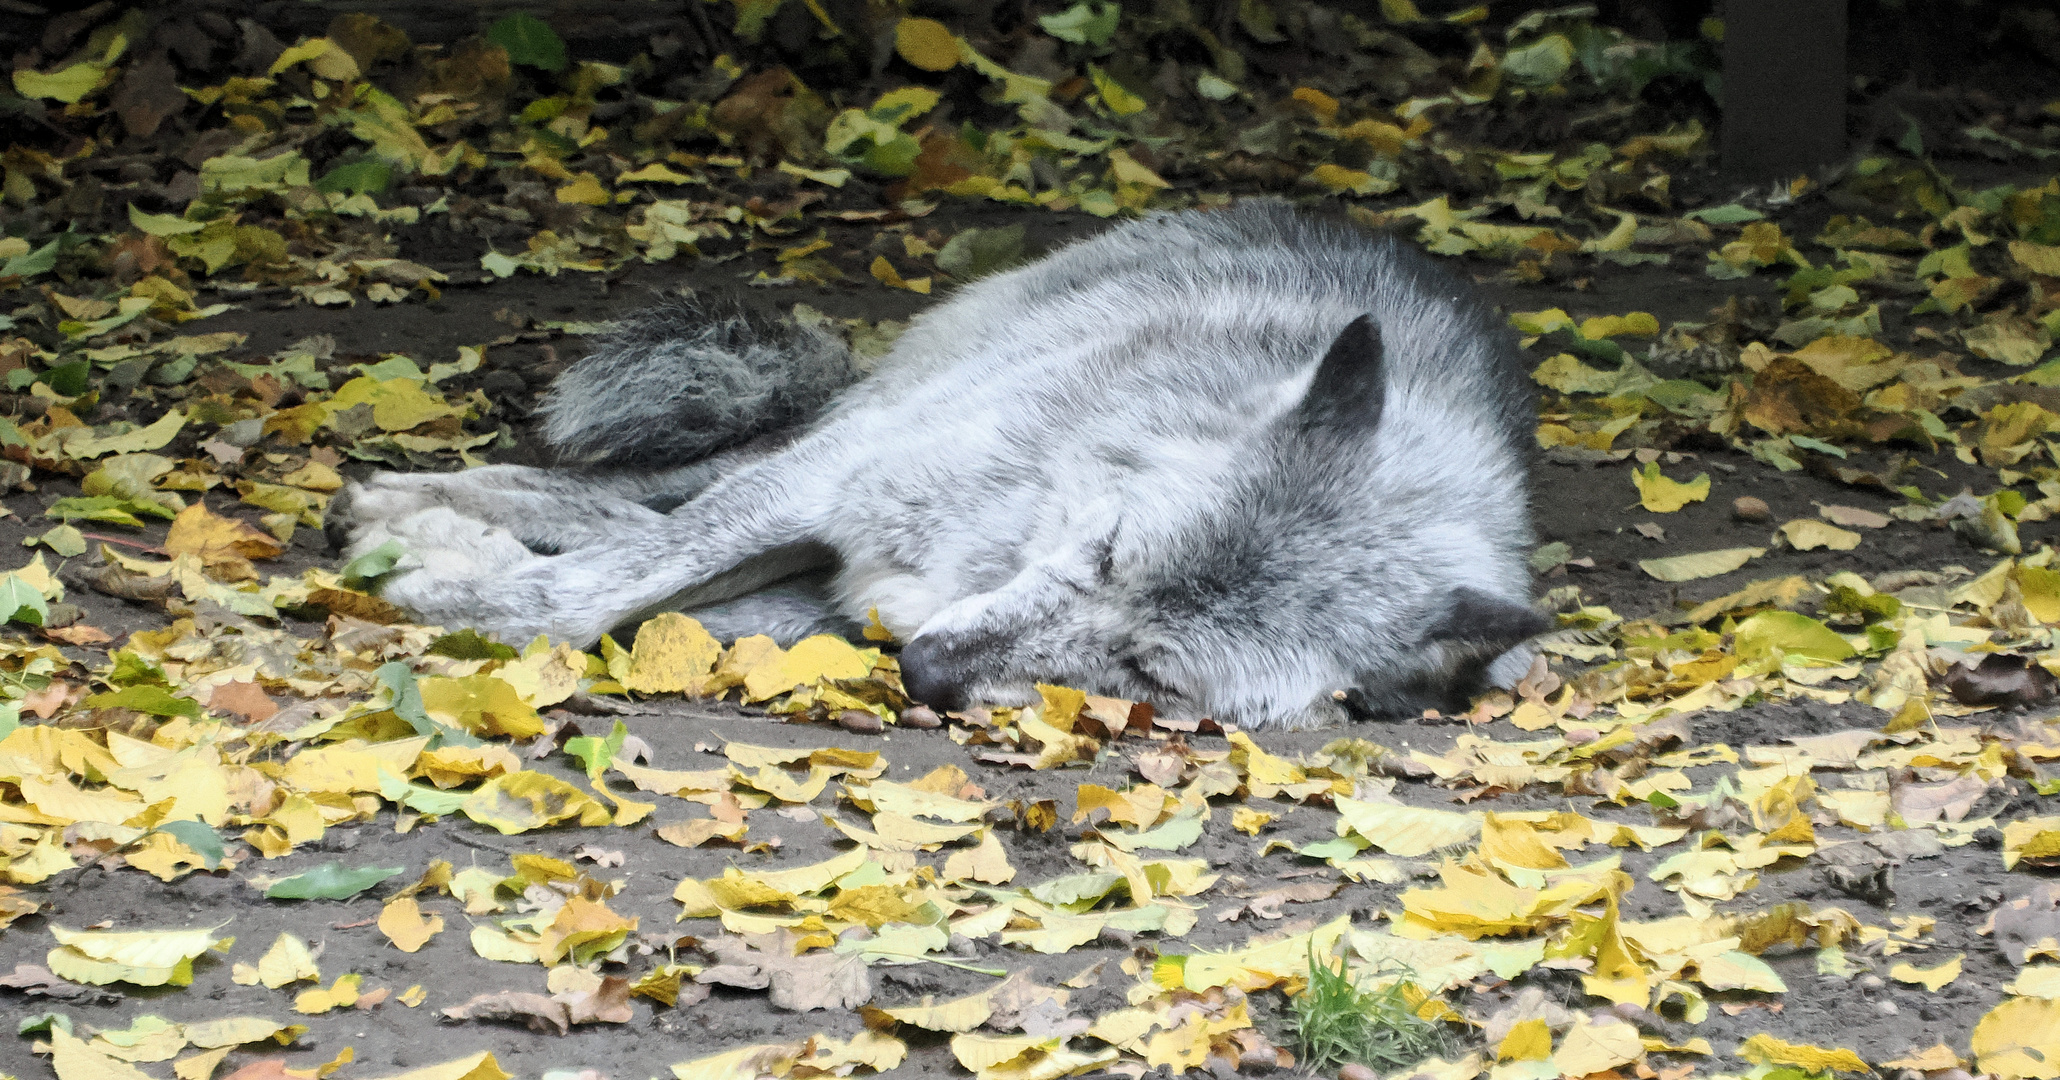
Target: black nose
x,y
932,673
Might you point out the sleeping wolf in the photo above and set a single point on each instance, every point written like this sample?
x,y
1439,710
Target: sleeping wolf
x,y
1240,464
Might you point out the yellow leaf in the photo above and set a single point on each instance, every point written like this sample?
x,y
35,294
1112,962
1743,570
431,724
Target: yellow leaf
x,y
762,1059
2038,980
1736,970
1663,496
1249,821
1930,978
479,1066
2038,258
397,404
884,272
492,944
224,545
1701,564
239,1031
957,1016
73,1059
480,704
322,56
1638,323
1528,1040
2019,1039
1408,831
1808,534
288,961
1115,95
2037,839
413,996
926,43
342,994
1764,1049
200,1066
585,190
519,802
672,654
137,948
1597,1043
823,656
988,862
656,172
1349,181
403,923
87,445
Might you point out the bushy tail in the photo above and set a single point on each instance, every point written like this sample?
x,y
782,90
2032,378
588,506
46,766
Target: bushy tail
x,y
678,383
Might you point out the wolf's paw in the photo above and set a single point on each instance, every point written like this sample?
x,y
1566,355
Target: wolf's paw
x,y
363,509
481,494
454,571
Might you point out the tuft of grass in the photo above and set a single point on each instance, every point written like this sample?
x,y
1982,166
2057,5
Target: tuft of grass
x,y
1337,1024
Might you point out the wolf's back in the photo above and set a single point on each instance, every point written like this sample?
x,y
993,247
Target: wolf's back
x,y
678,383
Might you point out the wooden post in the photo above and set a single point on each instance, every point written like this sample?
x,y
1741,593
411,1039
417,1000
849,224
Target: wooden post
x,y
1784,87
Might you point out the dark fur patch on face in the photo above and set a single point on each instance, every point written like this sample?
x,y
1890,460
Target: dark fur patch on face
x,y
939,670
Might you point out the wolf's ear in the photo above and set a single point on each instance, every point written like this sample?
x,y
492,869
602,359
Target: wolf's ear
x,y
1350,383
1475,618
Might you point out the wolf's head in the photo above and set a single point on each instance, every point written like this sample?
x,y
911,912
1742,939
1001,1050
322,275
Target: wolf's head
x,y
1366,551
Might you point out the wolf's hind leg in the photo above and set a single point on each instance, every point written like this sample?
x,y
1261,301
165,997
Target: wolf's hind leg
x,y
547,509
748,531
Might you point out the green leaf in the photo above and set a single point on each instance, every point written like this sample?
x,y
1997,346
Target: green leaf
x,y
365,176
978,252
200,836
22,602
163,224
1792,633
40,261
155,700
67,86
329,881
597,752
112,509
1727,214
468,645
132,668
1551,555
64,540
529,40
1086,23
372,565
69,380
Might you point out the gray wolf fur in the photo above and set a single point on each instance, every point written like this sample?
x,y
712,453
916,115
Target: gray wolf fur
x,y
1240,464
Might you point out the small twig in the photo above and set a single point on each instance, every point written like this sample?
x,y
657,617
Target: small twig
x,y
994,972
125,542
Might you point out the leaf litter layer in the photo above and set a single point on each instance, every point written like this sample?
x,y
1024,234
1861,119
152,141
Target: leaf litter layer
x,y
1795,795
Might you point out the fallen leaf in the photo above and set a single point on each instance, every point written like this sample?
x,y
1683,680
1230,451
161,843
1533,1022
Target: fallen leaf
x,y
1702,564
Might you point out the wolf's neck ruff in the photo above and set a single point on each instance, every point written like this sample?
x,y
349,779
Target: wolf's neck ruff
x,y
1241,464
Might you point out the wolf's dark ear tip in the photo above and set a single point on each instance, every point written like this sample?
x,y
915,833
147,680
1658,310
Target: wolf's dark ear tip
x,y
1351,382
1481,618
